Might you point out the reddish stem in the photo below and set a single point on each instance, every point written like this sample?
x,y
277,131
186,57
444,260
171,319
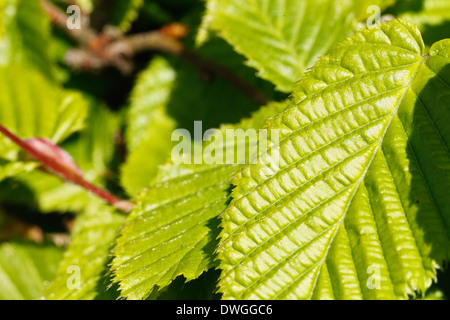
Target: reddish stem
x,y
68,175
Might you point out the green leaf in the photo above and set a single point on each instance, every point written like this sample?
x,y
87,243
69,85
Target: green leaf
x,y
171,94
149,128
358,207
32,106
26,269
170,232
281,39
167,234
150,93
86,258
24,35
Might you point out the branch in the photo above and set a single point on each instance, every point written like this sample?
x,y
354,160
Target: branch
x,y
157,41
111,48
55,161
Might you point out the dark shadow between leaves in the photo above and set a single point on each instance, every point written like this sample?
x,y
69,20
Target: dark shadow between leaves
x,y
428,153
201,96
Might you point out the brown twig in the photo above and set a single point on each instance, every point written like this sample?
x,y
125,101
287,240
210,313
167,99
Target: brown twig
x,y
157,41
53,166
226,74
111,48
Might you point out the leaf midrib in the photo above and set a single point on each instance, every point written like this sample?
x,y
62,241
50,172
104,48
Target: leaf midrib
x,y
363,176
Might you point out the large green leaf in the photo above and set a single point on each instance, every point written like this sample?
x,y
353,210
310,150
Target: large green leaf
x,y
170,232
26,270
282,38
86,258
359,204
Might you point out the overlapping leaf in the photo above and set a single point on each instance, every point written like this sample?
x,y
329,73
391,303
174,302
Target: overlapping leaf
x,y
431,16
282,38
358,207
170,232
171,94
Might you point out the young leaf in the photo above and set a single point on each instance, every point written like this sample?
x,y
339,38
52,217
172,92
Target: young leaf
x,y
85,260
170,232
359,206
281,39
25,270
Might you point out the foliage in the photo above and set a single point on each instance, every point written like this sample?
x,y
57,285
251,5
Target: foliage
x,y
351,201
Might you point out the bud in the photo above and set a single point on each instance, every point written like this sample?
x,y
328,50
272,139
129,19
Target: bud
x,y
55,154
175,30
